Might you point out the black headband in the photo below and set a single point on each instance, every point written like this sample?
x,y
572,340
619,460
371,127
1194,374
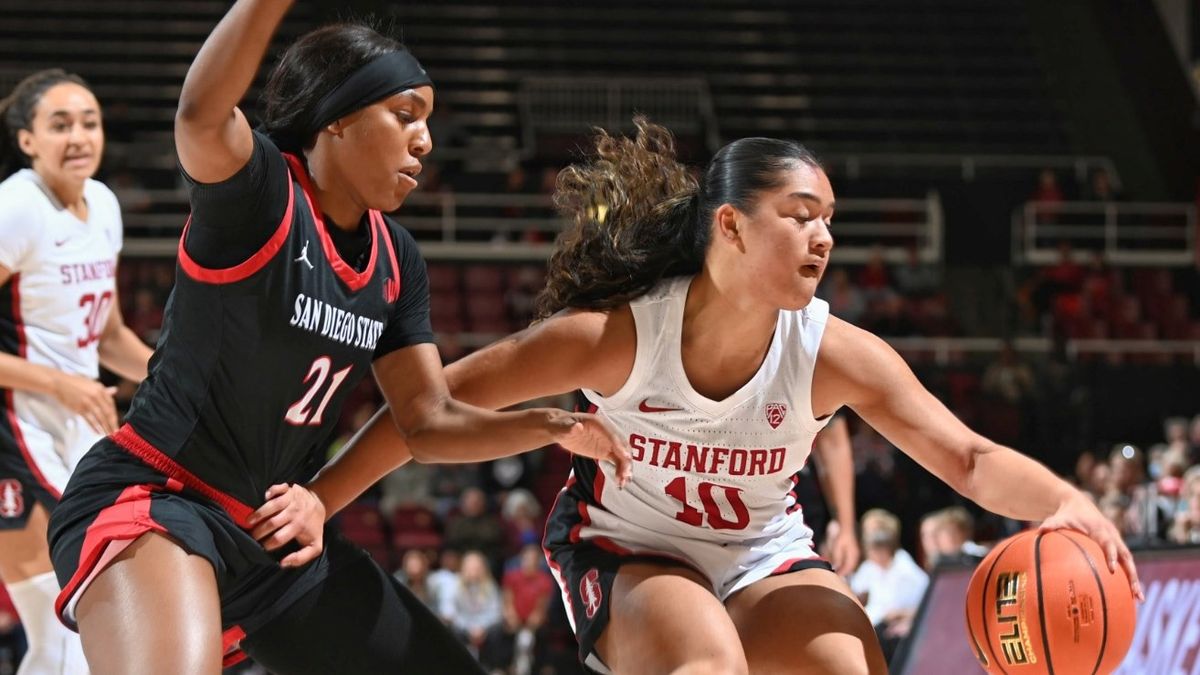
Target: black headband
x,y
393,72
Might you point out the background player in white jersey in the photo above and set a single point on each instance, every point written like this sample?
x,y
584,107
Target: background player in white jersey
x,y
60,233
685,310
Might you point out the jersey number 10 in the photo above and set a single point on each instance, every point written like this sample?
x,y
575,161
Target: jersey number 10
x,y
678,490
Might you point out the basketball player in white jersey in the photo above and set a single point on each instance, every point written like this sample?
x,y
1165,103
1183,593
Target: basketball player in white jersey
x,y
60,233
685,312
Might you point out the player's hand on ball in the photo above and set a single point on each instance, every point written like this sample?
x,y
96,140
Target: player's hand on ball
x,y
291,512
592,436
1080,514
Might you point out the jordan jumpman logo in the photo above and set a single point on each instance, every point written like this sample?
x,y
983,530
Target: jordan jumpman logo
x,y
304,255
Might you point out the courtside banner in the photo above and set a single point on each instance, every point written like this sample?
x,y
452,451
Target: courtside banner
x,y
1167,639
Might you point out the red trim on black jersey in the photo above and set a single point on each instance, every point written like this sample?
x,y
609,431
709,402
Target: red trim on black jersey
x,y
394,284
125,519
128,438
353,279
231,650
246,268
558,576
22,351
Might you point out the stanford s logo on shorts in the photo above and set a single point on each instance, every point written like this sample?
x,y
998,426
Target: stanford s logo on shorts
x,y
589,590
775,414
12,502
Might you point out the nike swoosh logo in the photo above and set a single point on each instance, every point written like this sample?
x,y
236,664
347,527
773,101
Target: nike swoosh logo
x,y
60,243
646,408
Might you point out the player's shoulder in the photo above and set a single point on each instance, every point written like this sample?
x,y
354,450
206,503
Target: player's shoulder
x,y
22,202
19,188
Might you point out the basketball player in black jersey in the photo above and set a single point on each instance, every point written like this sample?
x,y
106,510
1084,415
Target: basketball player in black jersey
x,y
291,285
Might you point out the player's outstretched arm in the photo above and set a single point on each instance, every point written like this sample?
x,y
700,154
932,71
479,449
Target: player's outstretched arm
x,y
212,137
858,369
440,427
835,471
446,416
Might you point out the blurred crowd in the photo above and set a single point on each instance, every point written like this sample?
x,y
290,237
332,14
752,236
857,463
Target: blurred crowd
x,y
1152,496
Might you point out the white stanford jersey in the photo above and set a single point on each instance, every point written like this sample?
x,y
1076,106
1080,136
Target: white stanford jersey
x,y
703,469
53,309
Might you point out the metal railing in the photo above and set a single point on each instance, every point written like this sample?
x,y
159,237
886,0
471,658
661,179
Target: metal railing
x,y
971,167
1124,233
567,105
468,226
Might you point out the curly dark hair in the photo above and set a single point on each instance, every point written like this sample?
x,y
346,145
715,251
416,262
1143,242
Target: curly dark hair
x,y
638,216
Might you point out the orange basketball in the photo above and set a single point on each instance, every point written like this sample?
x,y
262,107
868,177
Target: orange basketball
x,y
1045,602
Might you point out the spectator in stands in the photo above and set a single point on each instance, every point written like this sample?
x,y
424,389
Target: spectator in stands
x,y
1048,197
890,315
1127,477
147,315
521,514
443,580
915,279
473,604
414,573
873,278
450,482
955,535
1083,469
1115,507
1193,440
1169,481
927,539
1175,431
845,300
527,590
1186,526
409,486
1008,378
474,527
1064,277
1101,476
1101,189
889,582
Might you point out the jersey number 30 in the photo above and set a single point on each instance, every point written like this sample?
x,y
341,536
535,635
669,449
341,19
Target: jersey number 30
x,y
678,490
301,414
97,312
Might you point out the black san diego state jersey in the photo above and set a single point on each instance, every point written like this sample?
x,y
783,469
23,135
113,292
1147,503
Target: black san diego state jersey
x,y
255,360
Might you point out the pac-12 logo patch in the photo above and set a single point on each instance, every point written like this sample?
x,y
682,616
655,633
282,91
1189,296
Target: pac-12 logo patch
x,y
775,414
12,502
589,590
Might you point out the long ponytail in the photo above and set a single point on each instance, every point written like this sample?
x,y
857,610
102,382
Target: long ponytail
x,y
638,216
16,113
635,219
